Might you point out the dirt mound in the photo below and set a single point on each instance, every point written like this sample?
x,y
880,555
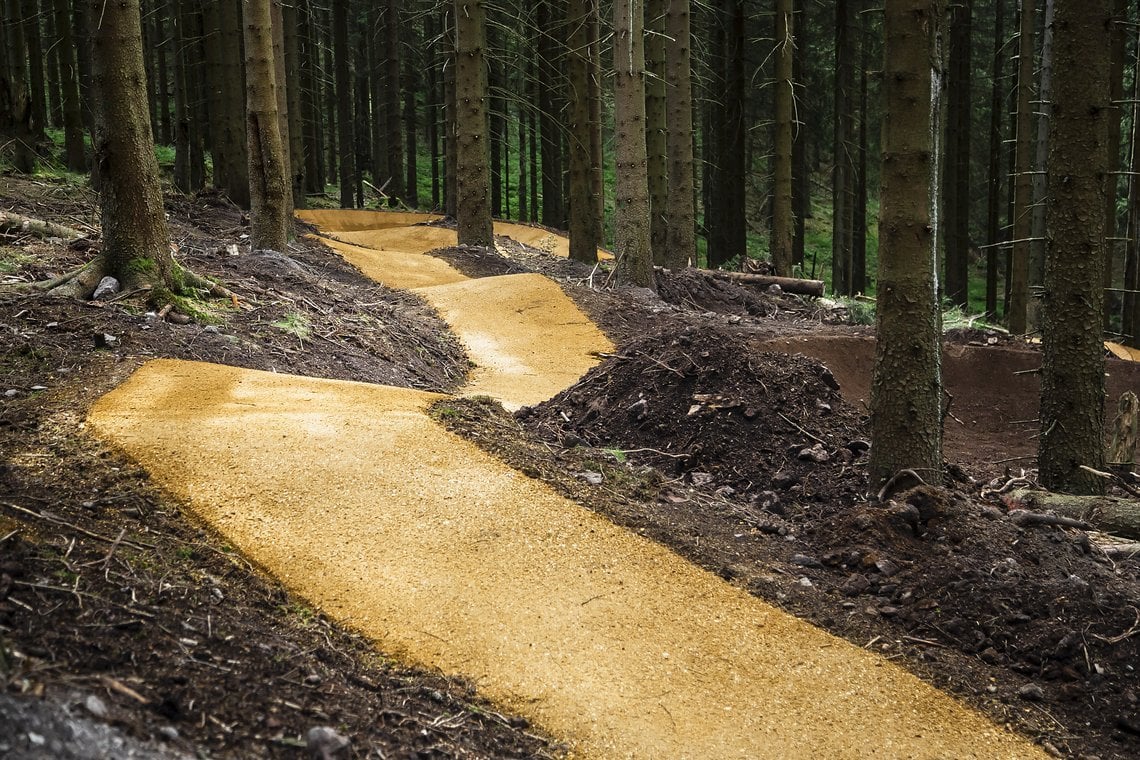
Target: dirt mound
x,y
695,405
689,289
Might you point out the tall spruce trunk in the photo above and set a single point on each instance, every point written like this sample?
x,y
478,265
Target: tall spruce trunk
x,y
345,143
313,135
550,130
842,150
1112,186
906,390
74,158
16,136
1130,318
294,84
1039,198
36,79
393,122
232,119
657,166
472,167
411,119
783,225
1018,315
269,215
956,194
680,242
1072,368
631,227
994,183
136,240
584,224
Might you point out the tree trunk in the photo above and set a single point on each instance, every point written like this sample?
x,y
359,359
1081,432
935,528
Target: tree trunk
x,y
232,119
1116,94
631,229
994,197
549,67
681,243
15,98
269,216
859,169
1040,199
136,242
294,83
801,180
161,48
450,148
584,225
1130,318
411,85
906,390
473,197
498,127
331,103
345,141
1022,177
432,110
657,167
392,105
74,158
842,151
310,94
1072,368
54,99
956,194
727,227
782,219
36,79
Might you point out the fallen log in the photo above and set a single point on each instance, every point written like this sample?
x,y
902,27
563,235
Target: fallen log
x,y
787,284
10,222
1120,551
1120,517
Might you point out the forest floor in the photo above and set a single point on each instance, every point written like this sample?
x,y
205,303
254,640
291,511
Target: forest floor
x,y
748,461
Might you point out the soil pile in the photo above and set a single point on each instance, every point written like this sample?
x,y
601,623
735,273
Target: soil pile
x,y
759,426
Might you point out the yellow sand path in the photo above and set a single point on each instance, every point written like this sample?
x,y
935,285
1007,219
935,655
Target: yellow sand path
x,y
361,503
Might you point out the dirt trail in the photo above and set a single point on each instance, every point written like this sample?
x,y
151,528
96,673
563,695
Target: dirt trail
x,y
361,503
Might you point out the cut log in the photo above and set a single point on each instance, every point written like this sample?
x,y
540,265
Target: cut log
x,y
787,284
15,223
1120,517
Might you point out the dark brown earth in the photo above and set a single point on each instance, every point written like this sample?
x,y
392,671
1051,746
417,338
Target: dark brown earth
x,y
130,600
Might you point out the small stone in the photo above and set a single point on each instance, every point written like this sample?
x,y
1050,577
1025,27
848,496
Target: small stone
x,y
775,290
36,739
990,656
815,454
213,329
1031,692
886,567
217,593
105,340
856,584
11,393
106,288
805,582
701,478
593,478
888,611
38,388
95,706
312,679
324,742
178,319
170,733
804,560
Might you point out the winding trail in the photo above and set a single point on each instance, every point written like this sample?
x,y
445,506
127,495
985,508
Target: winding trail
x,y
358,501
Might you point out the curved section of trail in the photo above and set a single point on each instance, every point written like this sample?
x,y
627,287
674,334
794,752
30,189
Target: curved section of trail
x,y
357,500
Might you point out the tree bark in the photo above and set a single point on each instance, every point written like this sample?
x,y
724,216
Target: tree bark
x,y
782,219
136,241
1040,199
635,258
392,104
345,142
1116,95
15,98
1072,369
550,134
294,82
906,390
842,153
680,243
411,120
657,166
75,158
36,79
1120,517
473,173
956,205
584,226
994,184
269,216
1022,177
313,135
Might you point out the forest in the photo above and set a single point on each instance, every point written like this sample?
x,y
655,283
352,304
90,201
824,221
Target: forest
x,y
645,378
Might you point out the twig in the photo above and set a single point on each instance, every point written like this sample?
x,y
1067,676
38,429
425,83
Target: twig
x,y
1115,479
815,438
84,594
1132,631
73,526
